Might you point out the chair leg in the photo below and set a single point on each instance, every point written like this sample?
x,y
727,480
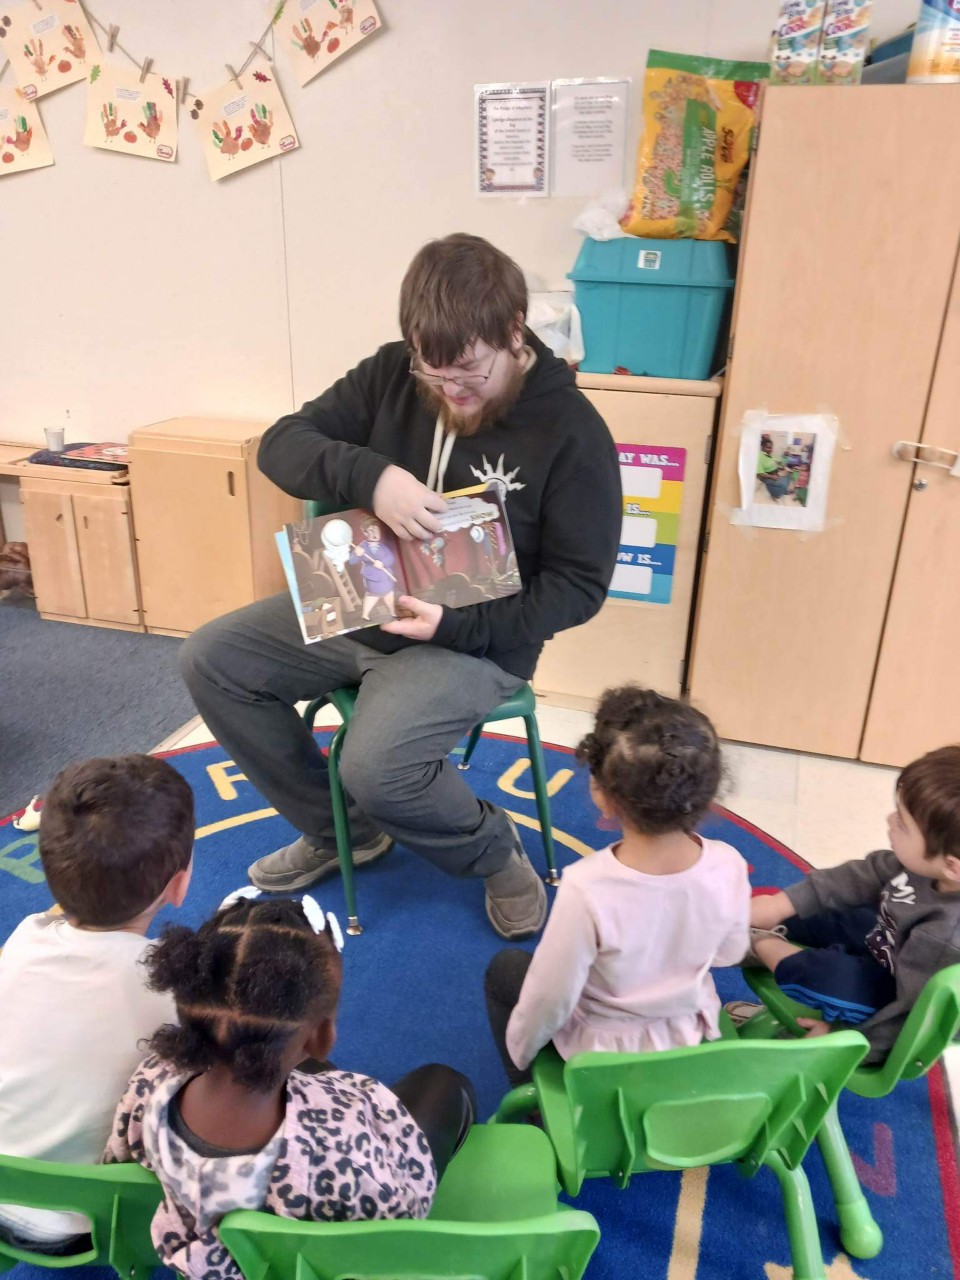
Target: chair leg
x,y
543,799
472,741
515,1105
341,826
805,1250
859,1233
762,1026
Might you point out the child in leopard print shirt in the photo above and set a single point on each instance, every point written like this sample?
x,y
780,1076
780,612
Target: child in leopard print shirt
x,y
225,1119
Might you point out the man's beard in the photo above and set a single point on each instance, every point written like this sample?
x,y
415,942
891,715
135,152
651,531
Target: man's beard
x,y
490,410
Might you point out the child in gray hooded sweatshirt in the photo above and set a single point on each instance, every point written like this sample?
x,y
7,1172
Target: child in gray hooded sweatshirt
x,y
873,930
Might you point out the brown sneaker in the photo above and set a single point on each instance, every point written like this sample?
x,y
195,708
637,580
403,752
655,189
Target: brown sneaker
x,y
516,900
301,864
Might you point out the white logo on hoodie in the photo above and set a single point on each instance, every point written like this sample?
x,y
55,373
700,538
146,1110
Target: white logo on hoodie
x,y
505,480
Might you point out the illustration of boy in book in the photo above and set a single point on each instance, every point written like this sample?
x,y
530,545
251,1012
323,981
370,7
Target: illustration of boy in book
x,y
376,561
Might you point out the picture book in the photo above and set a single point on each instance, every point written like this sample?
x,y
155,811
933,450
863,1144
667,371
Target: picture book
x,y
348,569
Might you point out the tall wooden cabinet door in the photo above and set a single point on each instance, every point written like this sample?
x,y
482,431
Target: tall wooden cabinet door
x,y
54,556
193,539
105,541
915,705
840,309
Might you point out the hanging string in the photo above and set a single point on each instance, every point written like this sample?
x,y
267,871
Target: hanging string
x,y
144,66
108,31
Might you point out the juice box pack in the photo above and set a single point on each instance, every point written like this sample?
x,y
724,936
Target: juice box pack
x,y
843,42
796,41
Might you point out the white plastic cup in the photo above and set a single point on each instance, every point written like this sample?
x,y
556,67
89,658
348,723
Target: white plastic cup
x,y
54,438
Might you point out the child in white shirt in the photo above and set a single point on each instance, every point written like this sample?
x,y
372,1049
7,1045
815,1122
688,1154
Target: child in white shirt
x,y
624,962
116,844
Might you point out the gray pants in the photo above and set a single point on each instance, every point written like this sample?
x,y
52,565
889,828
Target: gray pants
x,y
247,670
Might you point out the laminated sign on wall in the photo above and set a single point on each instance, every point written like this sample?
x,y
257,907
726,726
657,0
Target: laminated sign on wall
x,y
652,480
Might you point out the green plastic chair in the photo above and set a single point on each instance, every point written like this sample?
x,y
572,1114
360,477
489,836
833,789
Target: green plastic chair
x,y
119,1199
521,704
751,1104
496,1216
932,1024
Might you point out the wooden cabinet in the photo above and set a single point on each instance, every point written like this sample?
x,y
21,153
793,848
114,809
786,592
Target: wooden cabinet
x,y
636,640
205,520
915,701
80,538
841,307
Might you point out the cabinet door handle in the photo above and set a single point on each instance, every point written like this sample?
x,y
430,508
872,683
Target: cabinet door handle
x,y
913,452
86,523
230,484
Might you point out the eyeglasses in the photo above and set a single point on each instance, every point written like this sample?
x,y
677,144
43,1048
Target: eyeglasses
x,y
318,920
467,382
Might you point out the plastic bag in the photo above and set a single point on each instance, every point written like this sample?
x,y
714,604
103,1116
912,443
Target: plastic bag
x,y
600,219
699,115
555,320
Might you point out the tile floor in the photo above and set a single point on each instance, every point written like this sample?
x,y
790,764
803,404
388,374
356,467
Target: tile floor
x,y
826,810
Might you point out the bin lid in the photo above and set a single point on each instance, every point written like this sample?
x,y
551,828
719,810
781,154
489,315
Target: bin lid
x,y
637,260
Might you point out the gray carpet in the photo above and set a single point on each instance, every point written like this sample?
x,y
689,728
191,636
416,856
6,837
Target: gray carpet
x,y
68,692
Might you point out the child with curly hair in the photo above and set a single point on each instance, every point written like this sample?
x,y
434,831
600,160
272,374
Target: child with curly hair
x,y
222,1115
624,962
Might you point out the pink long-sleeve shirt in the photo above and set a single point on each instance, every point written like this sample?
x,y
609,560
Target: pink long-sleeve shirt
x,y
624,962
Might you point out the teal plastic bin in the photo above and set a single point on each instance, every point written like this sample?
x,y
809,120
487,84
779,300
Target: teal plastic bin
x,y
652,307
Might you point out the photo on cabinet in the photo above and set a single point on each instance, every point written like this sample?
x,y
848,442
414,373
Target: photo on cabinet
x,y
784,470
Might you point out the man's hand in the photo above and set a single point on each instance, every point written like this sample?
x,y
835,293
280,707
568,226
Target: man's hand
x,y
767,910
422,626
406,505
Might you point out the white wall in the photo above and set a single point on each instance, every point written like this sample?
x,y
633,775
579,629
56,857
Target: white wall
x,y
135,292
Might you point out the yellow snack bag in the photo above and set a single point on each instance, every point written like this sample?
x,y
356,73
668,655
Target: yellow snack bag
x,y
698,119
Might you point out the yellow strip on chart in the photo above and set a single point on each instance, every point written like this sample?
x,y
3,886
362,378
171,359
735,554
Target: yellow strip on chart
x,y
669,501
521,819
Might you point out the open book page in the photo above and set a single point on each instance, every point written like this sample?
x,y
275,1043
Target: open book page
x,y
471,560
347,570
344,572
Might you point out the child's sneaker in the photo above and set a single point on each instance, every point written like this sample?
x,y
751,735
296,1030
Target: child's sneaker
x,y
751,960
741,1011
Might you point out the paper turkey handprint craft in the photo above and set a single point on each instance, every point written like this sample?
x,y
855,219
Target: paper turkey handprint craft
x,y
23,141
318,37
150,130
111,125
243,122
226,142
33,52
24,135
76,45
261,124
305,40
153,118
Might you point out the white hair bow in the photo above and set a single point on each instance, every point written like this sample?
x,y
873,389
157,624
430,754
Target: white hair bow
x,y
318,920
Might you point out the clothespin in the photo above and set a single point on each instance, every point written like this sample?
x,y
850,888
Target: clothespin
x,y
233,75
147,64
112,36
258,45
184,85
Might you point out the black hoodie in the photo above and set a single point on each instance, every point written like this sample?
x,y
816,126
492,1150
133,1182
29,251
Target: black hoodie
x,y
551,452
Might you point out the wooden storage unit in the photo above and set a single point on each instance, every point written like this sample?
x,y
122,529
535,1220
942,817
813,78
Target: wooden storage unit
x,y
80,538
205,517
634,640
841,304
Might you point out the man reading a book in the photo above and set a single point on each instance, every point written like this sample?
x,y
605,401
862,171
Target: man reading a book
x,y
469,396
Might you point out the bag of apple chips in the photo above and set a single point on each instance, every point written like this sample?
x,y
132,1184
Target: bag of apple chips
x,y
698,121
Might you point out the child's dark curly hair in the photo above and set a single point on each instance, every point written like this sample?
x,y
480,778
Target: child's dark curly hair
x,y
657,759
243,984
